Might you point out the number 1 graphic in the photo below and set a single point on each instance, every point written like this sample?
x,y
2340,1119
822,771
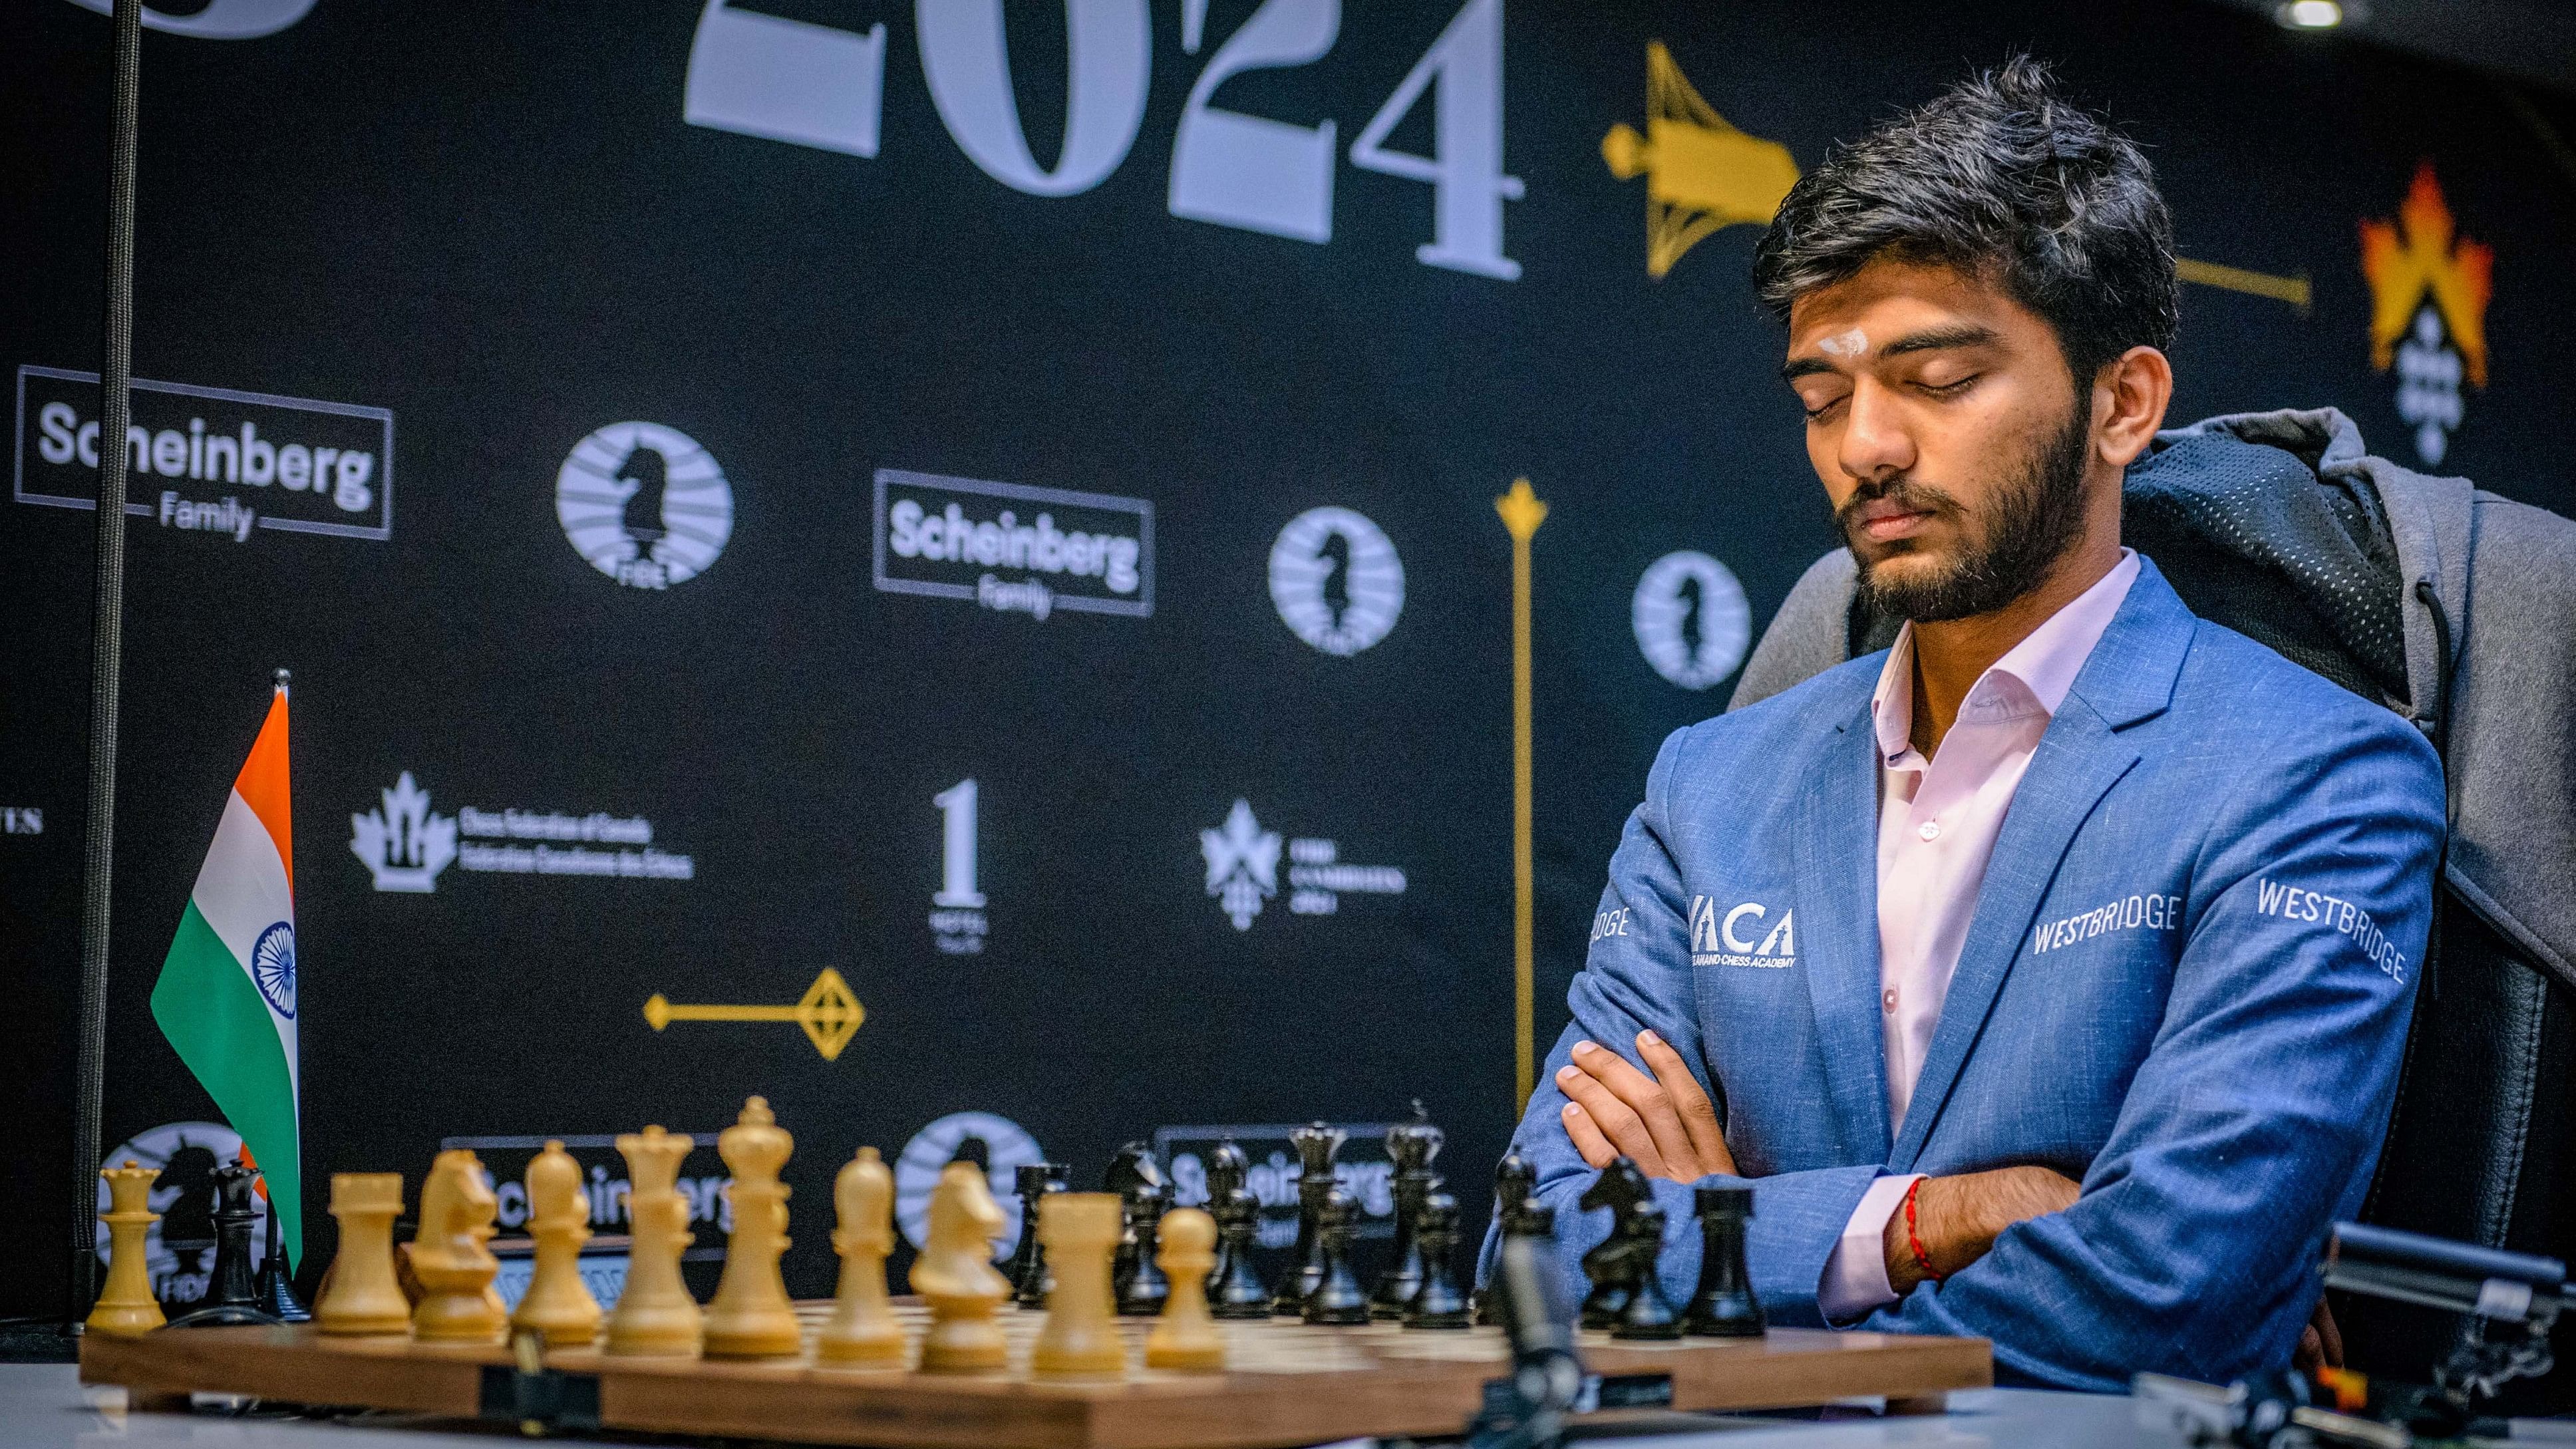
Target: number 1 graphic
x,y
957,852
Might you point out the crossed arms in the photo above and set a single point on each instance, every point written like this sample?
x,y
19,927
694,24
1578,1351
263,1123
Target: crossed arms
x,y
2172,1216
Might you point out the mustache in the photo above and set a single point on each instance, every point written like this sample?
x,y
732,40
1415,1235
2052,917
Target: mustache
x,y
1899,489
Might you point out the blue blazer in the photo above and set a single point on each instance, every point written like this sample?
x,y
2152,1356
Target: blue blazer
x,y
2186,986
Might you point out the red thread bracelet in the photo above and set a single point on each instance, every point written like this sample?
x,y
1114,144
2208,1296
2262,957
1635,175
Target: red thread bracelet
x,y
1914,1240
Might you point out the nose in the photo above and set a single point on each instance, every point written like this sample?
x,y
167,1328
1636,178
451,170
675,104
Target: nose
x,y
1875,444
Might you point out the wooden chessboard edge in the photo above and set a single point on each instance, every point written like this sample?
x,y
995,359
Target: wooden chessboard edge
x,y
219,1360
796,1401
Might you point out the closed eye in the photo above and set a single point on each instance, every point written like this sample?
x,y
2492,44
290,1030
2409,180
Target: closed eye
x,y
1949,389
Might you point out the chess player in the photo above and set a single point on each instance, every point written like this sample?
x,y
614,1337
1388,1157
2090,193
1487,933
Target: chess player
x,y
2047,975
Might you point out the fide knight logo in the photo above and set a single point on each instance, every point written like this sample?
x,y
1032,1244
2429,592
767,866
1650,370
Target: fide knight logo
x,y
179,1248
997,1144
403,845
1336,580
645,504
1691,619
2429,290
1242,864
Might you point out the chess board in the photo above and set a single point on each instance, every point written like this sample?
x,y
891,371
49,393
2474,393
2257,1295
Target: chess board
x,y
1285,1384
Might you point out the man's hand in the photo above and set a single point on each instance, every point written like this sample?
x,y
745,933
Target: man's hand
x,y
1958,1218
1663,1123
2320,1343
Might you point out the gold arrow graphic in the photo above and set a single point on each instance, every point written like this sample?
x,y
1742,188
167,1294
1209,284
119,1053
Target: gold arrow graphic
x,y
828,1011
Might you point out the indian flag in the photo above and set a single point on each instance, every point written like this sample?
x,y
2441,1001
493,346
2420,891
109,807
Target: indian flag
x,y
226,998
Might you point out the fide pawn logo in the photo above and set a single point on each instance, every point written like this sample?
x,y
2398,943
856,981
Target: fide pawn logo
x,y
1336,580
2429,290
1691,619
645,504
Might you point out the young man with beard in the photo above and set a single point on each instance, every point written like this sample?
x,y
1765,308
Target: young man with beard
x,y
2047,975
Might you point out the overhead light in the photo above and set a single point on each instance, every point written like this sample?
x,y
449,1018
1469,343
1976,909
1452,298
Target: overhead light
x,y
2310,14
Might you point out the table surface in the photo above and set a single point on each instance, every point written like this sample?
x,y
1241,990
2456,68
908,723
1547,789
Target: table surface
x,y
45,1406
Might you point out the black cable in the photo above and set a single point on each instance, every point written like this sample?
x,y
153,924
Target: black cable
x,y
107,643
2437,725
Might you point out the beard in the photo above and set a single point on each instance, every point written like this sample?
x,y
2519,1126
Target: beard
x,y
2011,544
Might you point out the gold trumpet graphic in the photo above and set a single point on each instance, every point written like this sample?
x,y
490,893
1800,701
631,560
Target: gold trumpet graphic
x,y
1702,175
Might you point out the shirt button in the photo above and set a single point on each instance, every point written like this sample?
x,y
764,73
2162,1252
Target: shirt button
x,y
1929,830
1887,998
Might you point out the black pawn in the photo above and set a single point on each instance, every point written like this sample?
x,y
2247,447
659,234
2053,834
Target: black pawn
x,y
232,1293
1337,1298
1132,1171
1143,1291
1030,1278
1436,1301
1514,1181
1316,1145
1724,1305
1411,1145
1137,1278
1647,1313
1234,1289
1622,1189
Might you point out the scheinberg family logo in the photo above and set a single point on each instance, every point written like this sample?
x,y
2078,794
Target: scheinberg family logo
x,y
1012,548
211,460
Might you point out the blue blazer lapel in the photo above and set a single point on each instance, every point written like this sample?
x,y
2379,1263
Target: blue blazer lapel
x,y
2128,678
1837,854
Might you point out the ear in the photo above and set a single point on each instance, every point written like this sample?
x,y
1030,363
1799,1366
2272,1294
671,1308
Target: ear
x,y
2129,398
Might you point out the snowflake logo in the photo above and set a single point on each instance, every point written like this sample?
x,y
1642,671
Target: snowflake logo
x,y
1242,864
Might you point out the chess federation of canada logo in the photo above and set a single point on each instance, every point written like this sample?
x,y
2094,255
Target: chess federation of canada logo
x,y
997,1144
1336,580
1702,175
272,965
179,1250
644,504
1691,619
402,843
2429,289
1243,870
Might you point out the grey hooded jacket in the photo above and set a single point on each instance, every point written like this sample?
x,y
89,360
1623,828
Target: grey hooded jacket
x,y
2485,610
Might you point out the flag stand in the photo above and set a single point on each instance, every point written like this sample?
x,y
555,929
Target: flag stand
x,y
276,1285
107,638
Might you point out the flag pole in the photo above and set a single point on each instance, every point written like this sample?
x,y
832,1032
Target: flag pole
x,y
107,641
1522,513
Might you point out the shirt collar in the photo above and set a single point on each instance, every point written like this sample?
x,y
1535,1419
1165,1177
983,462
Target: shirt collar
x,y
2035,673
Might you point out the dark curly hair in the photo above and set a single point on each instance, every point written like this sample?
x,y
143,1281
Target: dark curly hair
x,y
2001,177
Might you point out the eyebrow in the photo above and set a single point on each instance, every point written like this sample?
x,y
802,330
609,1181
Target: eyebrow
x,y
1936,339
1933,339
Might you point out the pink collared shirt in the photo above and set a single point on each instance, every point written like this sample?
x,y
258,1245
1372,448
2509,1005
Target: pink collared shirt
x,y
1937,823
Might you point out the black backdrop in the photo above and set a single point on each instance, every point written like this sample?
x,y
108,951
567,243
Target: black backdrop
x,y
494,222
